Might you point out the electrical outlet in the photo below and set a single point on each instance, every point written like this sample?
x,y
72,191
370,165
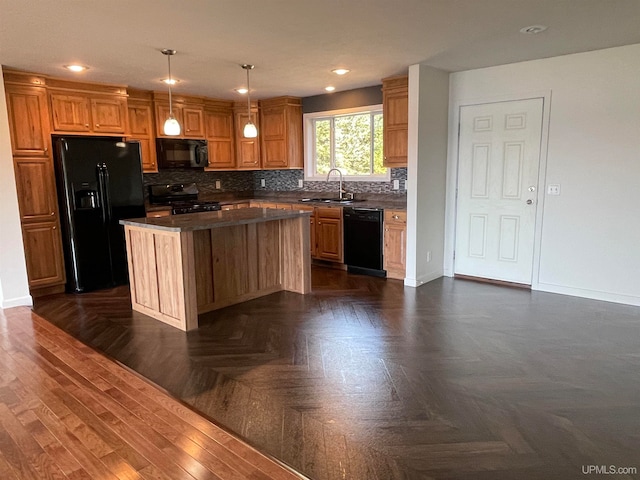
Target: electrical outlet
x,y
300,183
263,182
218,185
396,184
553,189
429,256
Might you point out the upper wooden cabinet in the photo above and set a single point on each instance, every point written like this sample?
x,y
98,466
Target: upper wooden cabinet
x,y
87,107
189,111
29,120
140,107
281,133
395,104
247,149
218,123
109,114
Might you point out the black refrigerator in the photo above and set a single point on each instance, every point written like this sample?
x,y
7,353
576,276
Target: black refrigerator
x,y
99,182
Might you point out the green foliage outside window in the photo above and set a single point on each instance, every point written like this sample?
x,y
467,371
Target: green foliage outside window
x,y
357,144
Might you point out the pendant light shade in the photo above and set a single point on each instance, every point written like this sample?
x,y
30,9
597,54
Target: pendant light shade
x,y
171,125
250,130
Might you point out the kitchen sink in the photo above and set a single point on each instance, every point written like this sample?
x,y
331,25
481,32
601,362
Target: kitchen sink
x,y
332,200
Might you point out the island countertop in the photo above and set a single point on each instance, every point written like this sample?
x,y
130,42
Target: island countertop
x,y
207,220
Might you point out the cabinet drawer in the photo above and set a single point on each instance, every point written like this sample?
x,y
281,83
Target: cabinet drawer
x,y
329,212
398,217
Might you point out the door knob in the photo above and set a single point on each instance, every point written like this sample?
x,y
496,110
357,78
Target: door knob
x,y
532,188
529,202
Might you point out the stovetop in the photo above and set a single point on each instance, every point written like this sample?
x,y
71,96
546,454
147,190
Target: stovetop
x,y
182,197
178,208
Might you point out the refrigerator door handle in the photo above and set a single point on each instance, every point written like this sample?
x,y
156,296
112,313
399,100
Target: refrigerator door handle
x,y
103,186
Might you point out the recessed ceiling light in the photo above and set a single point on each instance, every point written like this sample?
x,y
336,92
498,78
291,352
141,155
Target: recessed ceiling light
x,y
76,68
170,81
533,29
341,71
241,91
329,88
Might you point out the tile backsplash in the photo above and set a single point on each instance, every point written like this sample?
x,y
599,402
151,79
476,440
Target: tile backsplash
x,y
275,180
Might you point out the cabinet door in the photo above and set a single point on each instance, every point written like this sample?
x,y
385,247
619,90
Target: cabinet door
x,y
395,250
70,112
329,237
28,120
109,114
395,243
140,120
36,189
274,148
248,149
43,254
193,122
396,122
147,154
219,132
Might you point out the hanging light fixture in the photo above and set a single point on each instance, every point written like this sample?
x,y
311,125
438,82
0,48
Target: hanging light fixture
x,y
250,130
171,125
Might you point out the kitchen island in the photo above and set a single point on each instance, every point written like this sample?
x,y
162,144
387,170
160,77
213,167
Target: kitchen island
x,y
184,265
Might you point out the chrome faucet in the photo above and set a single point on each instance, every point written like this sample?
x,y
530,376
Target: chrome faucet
x,y
329,174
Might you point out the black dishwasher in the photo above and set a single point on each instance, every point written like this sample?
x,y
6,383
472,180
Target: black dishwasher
x,y
363,241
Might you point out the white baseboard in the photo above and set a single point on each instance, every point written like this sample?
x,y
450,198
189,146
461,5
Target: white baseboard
x,y
591,294
422,279
17,302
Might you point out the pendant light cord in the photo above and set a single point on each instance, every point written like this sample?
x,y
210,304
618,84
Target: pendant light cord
x,y
170,78
248,95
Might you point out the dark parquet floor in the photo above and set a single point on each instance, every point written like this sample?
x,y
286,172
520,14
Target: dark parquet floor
x,y
367,379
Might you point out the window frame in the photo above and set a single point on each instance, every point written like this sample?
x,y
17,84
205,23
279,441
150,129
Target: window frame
x,y
309,144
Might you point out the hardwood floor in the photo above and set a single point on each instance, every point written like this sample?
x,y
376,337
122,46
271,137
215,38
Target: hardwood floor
x,y
69,412
366,379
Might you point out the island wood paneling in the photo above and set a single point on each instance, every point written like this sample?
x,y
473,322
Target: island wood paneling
x,y
177,275
295,243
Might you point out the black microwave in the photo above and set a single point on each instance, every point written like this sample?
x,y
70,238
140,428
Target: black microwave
x,y
181,153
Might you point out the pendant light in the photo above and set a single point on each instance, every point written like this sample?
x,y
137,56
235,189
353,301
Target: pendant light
x,y
171,125
250,130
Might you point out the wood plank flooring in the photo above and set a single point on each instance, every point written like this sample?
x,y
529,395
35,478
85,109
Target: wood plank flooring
x,y
67,412
367,379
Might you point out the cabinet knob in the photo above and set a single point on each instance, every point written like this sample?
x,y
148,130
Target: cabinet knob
x,y
395,217
46,149
86,125
53,228
97,124
52,214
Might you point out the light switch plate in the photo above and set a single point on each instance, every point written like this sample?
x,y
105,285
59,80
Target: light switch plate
x,y
300,183
218,186
396,184
263,182
553,189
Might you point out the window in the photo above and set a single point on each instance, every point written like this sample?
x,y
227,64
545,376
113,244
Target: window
x,y
349,140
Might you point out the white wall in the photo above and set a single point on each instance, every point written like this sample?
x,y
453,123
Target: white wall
x,y
14,288
590,234
427,165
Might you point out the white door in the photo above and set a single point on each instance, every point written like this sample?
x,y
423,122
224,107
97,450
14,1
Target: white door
x,y
498,161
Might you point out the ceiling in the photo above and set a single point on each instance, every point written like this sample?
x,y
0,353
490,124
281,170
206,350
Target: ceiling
x,y
295,44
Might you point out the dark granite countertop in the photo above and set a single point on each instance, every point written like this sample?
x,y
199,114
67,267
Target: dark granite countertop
x,y
207,220
371,200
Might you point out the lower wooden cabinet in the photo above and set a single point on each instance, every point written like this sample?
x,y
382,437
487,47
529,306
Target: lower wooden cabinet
x,y
329,234
395,243
325,229
43,254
